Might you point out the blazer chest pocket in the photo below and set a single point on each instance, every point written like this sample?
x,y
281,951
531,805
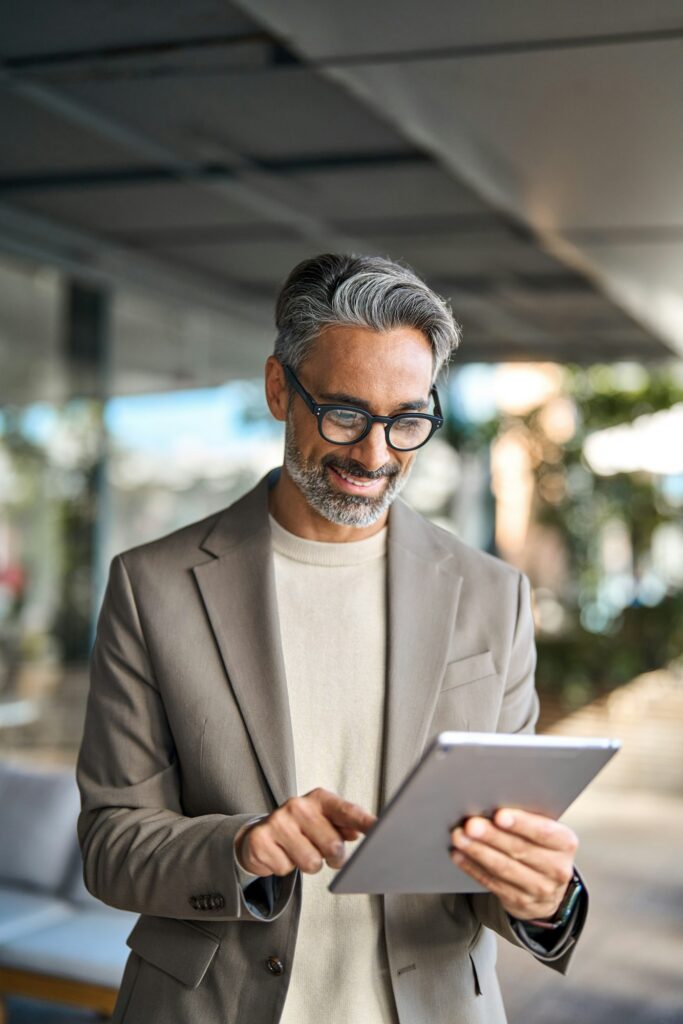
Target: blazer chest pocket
x,y
468,670
176,947
469,698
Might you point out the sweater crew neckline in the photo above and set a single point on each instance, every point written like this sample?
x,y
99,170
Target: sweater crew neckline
x,y
326,553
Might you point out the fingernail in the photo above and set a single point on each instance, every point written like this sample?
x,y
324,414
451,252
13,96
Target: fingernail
x,y
505,819
459,838
475,827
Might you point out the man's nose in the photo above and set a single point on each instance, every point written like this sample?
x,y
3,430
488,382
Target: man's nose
x,y
372,452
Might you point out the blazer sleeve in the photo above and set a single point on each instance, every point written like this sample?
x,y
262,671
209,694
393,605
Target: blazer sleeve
x,y
140,851
519,714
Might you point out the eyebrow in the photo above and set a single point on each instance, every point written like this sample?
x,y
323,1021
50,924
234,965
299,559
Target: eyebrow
x,y
340,396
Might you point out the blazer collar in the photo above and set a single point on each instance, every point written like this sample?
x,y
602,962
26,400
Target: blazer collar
x,y
247,518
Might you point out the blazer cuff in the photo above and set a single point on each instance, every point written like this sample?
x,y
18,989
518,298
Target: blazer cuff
x,y
244,877
489,911
265,897
548,945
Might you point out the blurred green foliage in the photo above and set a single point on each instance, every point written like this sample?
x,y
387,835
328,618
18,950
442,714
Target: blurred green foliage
x,y
600,645
581,665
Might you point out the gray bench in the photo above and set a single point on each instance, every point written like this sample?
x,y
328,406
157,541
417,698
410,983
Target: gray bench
x,y
57,942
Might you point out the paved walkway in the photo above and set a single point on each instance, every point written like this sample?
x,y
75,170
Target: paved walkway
x,y
628,967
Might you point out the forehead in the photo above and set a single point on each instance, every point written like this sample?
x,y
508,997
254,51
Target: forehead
x,y
370,362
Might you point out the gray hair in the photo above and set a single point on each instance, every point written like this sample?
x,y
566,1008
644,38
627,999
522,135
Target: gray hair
x,y
335,290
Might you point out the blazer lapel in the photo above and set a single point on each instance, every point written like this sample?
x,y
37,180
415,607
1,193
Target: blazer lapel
x,y
423,594
238,591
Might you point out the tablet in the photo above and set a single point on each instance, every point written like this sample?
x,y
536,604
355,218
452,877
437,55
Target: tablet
x,y
461,774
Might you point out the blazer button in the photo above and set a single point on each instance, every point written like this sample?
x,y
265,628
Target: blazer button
x,y
275,965
217,901
194,903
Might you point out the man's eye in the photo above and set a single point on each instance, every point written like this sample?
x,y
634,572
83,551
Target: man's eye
x,y
345,417
409,425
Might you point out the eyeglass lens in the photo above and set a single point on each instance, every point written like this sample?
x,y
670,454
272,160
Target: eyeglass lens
x,y
343,426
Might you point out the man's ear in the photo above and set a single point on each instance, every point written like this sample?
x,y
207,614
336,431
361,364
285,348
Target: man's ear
x,y
277,390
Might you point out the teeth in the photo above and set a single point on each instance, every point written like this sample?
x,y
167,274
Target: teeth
x,y
354,479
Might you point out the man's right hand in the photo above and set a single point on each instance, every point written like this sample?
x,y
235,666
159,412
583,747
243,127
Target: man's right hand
x,y
302,833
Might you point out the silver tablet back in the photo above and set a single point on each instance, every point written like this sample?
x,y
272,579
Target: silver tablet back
x,y
459,775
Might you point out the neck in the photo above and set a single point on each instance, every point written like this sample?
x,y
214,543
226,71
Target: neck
x,y
289,507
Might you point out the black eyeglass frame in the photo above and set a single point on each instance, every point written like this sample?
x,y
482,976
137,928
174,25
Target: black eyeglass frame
x,y
319,411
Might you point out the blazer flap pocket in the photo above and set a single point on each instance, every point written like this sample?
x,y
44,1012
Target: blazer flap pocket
x,y
176,947
468,670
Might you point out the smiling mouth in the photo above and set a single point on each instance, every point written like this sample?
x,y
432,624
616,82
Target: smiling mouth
x,y
362,483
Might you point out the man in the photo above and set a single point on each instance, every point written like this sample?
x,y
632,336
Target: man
x,y
263,680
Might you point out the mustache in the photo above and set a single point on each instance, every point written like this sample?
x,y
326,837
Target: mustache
x,y
355,468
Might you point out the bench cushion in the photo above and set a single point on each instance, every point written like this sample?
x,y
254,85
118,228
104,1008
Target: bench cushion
x,y
88,945
39,814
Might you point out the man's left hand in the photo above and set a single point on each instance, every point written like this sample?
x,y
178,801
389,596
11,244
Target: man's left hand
x,y
527,860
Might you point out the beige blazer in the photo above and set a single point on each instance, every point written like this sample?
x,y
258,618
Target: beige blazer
x,y
188,736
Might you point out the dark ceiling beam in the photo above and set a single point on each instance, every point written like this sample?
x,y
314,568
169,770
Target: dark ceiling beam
x,y
307,164
251,53
207,234
162,48
67,180
478,50
627,234
280,55
432,226
229,234
85,178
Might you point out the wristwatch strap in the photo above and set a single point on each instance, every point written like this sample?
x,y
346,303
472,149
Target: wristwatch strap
x,y
564,911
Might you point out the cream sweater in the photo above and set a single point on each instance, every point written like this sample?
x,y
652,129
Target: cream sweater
x,y
332,608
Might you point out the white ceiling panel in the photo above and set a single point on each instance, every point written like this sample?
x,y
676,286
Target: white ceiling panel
x,y
647,280
568,139
583,139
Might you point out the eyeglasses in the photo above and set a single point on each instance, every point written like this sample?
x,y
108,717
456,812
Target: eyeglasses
x,y
346,424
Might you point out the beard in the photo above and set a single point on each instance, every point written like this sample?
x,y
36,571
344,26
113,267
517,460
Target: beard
x,y
313,480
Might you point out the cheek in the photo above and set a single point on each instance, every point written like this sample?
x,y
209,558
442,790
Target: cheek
x,y
306,438
405,463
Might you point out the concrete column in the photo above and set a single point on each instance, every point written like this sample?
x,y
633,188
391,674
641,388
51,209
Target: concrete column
x,y
84,518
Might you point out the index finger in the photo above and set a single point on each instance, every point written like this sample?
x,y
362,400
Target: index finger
x,y
538,828
345,814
